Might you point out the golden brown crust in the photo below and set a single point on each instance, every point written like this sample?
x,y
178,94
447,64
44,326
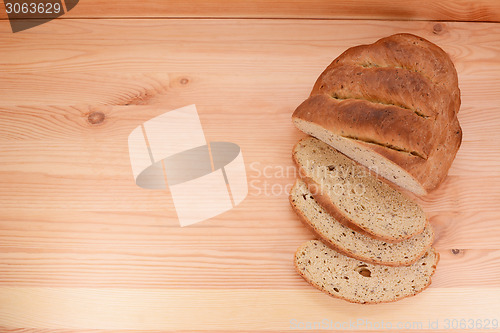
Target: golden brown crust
x,y
420,132
438,257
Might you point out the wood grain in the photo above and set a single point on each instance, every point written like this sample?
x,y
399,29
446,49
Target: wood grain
x,y
118,308
95,249
447,10
132,69
82,247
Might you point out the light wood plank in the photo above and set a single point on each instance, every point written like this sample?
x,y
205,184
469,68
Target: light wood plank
x,y
36,159
279,66
448,10
49,248
201,309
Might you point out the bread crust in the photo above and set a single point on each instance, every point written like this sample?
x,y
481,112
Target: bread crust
x,y
438,257
318,234
420,132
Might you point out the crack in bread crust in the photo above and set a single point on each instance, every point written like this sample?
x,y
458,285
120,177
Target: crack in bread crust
x,y
414,153
344,98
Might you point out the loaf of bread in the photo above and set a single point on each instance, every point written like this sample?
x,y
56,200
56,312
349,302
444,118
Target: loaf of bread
x,y
353,196
351,242
391,106
359,282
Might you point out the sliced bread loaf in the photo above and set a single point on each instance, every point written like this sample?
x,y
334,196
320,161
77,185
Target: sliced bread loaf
x,y
353,196
359,282
352,242
391,105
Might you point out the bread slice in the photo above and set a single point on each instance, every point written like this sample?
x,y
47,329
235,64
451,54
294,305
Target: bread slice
x,y
353,196
391,106
352,242
359,282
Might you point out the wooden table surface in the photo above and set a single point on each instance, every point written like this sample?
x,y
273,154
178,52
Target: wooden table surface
x,y
82,248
